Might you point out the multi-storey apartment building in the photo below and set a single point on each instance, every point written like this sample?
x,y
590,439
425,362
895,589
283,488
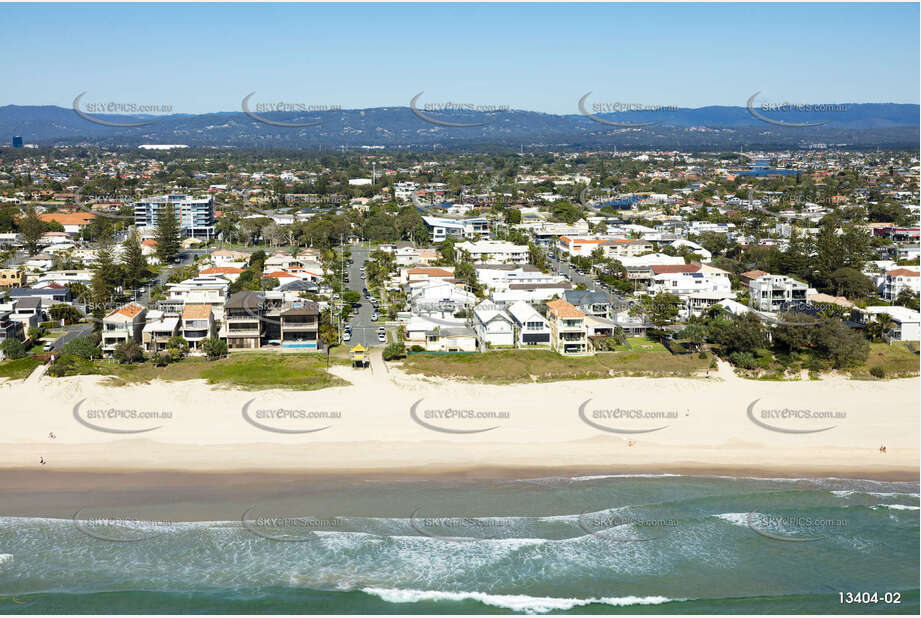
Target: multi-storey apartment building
x,y
195,215
440,228
494,251
612,247
202,290
770,292
899,279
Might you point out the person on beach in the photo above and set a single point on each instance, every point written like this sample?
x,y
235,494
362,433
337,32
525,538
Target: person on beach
x,y
51,435
41,460
882,448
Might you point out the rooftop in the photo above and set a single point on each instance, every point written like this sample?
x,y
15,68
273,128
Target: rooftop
x,y
563,309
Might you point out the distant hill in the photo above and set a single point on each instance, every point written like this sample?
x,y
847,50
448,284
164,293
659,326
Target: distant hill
x,y
864,125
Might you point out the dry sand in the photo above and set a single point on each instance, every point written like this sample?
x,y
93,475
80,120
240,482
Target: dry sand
x,y
706,427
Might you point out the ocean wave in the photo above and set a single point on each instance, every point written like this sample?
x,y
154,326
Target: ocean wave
x,y
622,476
897,507
737,519
4,558
876,494
515,602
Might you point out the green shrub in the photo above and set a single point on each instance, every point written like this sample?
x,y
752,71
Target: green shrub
x,y
878,372
394,351
83,347
214,347
13,348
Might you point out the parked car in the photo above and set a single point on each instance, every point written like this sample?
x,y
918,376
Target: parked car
x,y
48,347
346,336
374,317
382,337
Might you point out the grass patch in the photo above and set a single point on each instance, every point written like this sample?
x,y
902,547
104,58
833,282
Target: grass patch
x,y
18,369
251,371
645,358
895,361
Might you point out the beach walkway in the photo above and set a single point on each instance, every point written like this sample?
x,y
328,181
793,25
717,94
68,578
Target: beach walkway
x,y
37,374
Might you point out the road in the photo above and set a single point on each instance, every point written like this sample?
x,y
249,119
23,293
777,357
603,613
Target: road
x,y
364,331
564,268
78,330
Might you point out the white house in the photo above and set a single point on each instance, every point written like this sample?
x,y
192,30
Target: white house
x,y
898,279
123,324
906,323
705,255
440,335
493,326
531,327
770,292
493,251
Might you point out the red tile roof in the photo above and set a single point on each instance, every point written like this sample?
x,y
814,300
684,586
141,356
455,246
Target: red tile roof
x,y
564,309
661,269
903,272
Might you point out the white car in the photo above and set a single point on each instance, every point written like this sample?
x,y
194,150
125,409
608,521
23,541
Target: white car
x,y
382,337
346,336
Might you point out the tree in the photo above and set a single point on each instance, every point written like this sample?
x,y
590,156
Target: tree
x,y
739,334
128,352
876,329
13,348
661,308
513,216
178,343
168,234
907,298
214,347
102,285
68,313
134,264
695,333
83,347
844,347
851,283
31,228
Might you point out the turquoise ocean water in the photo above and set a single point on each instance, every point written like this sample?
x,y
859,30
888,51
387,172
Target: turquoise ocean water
x,y
594,544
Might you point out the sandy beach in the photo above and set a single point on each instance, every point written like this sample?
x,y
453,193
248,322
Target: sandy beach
x,y
387,421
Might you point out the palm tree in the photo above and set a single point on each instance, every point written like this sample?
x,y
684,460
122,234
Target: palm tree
x,y
877,329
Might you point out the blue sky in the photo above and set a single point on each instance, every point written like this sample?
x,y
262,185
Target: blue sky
x,y
541,57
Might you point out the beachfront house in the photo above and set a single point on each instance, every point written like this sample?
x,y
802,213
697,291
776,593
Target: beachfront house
x,y
772,292
197,324
568,334
299,325
123,324
531,328
902,323
493,326
158,330
439,335
242,326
